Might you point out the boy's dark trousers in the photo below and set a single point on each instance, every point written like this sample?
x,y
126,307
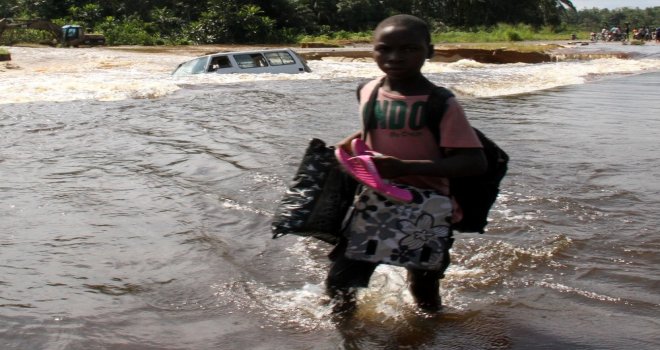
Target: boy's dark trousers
x,y
346,275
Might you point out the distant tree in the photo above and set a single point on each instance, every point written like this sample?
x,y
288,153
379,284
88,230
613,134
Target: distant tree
x,y
88,15
9,8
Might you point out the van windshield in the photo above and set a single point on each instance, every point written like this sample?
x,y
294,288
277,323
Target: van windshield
x,y
195,66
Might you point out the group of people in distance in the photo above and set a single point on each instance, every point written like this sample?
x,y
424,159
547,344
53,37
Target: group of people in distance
x,y
616,34
646,33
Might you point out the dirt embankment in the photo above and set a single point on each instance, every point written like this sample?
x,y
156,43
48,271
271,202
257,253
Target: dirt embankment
x,y
445,55
490,56
527,52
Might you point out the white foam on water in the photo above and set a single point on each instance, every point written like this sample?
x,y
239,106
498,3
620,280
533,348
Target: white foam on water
x,y
562,288
56,74
488,80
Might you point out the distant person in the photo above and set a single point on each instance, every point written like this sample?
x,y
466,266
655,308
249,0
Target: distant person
x,y
411,154
604,34
615,33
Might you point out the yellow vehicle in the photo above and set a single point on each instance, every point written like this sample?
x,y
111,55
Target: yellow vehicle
x,y
74,35
68,35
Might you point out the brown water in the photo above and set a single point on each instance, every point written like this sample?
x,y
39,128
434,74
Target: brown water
x,y
138,218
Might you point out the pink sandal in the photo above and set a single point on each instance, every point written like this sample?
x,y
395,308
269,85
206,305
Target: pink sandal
x,y
360,148
363,169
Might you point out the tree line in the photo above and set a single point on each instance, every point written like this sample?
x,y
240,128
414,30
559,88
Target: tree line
x,y
148,22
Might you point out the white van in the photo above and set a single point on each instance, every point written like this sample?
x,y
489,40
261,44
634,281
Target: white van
x,y
251,62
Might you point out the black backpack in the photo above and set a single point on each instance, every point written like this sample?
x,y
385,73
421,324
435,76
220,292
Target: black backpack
x,y
475,194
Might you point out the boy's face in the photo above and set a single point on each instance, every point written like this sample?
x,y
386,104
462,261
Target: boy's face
x,y
400,52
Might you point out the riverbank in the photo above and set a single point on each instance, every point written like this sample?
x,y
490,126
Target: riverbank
x,y
505,52
499,53
536,52
4,55
495,53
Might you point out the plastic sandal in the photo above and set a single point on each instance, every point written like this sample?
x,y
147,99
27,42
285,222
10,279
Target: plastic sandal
x,y
360,148
363,169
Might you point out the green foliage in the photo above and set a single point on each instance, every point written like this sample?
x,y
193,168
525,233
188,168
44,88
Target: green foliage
x,y
503,33
88,15
129,31
340,36
23,36
227,21
276,21
594,19
253,26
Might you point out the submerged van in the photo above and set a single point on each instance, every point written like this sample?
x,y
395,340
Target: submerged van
x,y
258,61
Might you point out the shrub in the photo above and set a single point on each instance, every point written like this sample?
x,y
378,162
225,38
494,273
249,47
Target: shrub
x,y
129,31
11,37
513,36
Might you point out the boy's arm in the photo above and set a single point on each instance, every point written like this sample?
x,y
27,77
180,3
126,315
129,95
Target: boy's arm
x,y
458,162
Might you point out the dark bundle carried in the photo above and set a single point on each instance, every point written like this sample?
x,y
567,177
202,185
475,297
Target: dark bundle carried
x,y
318,198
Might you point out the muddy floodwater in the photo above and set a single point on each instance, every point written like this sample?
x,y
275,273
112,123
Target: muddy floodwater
x,y
135,207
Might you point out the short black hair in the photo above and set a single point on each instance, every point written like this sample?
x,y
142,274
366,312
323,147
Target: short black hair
x,y
412,22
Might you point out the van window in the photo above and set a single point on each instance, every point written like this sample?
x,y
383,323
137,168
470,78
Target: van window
x,y
219,62
252,60
279,58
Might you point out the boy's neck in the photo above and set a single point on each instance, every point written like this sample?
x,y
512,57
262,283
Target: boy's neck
x,y
417,85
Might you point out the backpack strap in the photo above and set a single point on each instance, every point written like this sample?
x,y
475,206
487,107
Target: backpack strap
x,y
359,88
436,107
368,120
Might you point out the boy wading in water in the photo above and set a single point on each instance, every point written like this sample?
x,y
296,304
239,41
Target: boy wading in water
x,y
411,153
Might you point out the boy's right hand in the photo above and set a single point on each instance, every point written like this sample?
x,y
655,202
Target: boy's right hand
x,y
389,167
346,143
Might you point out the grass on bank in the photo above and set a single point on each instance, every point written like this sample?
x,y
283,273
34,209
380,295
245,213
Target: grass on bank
x,y
3,51
506,32
498,33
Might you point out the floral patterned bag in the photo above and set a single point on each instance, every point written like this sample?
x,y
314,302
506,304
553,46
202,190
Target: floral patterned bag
x,y
413,235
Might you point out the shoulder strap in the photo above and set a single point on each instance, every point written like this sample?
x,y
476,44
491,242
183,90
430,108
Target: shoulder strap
x,y
368,119
436,106
359,88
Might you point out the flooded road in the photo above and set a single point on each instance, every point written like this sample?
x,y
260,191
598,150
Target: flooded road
x,y
136,208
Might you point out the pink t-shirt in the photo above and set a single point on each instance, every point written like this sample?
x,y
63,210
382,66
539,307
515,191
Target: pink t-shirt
x,y
400,131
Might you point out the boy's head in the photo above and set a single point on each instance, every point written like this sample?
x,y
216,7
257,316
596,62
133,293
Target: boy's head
x,y
412,23
402,43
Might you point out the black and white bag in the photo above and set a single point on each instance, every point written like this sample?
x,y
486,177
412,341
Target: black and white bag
x,y
413,235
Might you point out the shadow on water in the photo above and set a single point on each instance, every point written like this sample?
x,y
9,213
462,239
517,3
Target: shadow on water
x,y
413,330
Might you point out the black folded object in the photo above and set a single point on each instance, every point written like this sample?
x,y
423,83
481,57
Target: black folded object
x,y
318,198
